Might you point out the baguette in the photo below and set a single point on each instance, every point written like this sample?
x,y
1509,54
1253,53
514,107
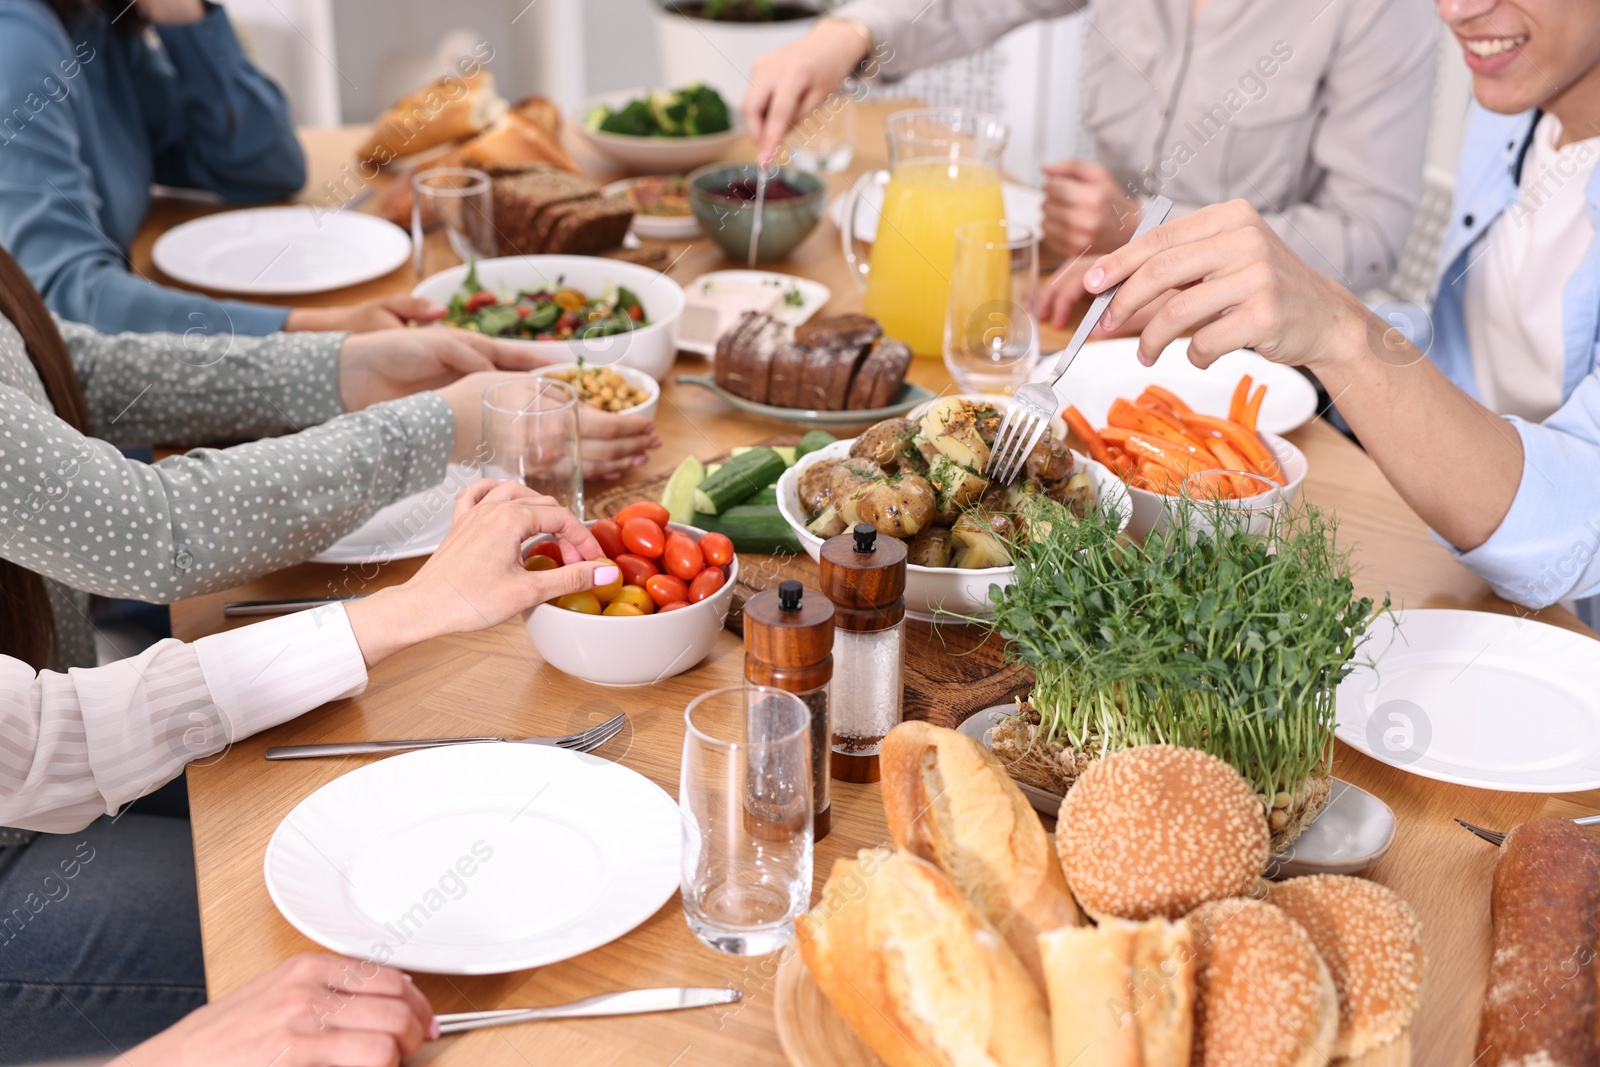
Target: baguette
x,y
444,111
1540,1007
513,140
919,974
1122,993
948,800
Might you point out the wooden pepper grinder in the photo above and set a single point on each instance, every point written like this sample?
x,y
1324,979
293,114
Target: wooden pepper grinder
x,y
865,577
788,644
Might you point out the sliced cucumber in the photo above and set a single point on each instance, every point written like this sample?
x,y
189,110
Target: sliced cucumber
x,y
739,450
678,496
738,479
787,452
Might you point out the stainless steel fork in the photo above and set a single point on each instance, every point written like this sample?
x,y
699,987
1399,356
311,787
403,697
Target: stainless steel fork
x,y
1498,837
583,741
1031,409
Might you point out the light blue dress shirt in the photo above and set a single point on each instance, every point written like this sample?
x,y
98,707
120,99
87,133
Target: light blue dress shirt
x,y
91,119
1548,546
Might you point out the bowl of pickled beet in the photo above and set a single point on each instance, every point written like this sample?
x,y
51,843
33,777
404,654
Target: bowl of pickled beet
x,y
723,197
659,619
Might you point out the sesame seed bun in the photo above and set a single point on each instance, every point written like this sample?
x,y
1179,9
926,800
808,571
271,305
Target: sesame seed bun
x,y
1159,830
1371,941
1264,998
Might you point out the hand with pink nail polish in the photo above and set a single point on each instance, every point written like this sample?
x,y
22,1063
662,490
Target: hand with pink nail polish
x,y
308,1011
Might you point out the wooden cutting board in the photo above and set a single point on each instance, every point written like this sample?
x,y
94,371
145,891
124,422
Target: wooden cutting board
x,y
951,671
813,1035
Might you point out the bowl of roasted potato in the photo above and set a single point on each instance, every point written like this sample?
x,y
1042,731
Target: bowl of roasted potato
x,y
921,479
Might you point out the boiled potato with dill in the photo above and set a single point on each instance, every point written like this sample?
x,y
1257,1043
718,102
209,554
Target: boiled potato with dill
x,y
602,387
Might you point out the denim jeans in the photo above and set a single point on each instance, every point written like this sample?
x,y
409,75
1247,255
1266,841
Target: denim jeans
x,y
99,934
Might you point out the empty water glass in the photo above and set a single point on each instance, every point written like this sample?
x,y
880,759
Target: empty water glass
x,y
745,794
530,433
824,141
452,219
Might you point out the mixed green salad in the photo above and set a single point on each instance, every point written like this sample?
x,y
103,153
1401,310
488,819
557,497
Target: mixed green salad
x,y
557,313
693,111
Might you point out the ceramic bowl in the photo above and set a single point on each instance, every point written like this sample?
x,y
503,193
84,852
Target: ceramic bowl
x,y
653,155
636,378
1152,511
727,220
631,650
650,349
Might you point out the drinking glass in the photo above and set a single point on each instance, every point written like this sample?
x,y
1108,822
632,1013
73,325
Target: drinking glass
x,y
825,140
745,796
991,333
452,219
1228,501
530,433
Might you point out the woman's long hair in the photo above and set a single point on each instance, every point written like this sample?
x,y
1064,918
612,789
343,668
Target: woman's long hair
x,y
27,623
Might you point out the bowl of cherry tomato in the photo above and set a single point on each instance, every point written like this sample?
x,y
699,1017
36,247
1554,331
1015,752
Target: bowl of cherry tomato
x,y
667,605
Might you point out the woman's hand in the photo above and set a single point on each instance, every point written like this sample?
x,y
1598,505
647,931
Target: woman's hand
x,y
383,313
1085,209
1237,285
393,363
308,1011
610,443
475,578
794,80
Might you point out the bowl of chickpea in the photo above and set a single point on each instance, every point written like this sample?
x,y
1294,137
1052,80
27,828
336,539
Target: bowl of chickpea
x,y
608,387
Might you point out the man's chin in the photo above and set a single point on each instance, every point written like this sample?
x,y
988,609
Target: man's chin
x,y
1493,94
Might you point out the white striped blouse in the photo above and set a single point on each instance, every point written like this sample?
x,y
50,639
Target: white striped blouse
x,y
81,744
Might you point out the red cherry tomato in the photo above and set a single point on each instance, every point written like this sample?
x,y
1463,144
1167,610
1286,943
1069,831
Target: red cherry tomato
x,y
645,509
717,549
708,582
644,537
636,570
480,300
544,548
683,557
674,606
665,588
609,534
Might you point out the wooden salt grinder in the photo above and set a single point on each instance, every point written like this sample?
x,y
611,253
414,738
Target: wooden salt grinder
x,y
788,644
864,575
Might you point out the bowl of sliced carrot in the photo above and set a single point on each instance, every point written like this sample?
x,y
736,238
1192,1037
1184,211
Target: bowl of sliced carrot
x,y
1156,440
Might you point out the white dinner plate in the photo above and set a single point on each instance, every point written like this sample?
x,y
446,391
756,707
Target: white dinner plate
x,y
281,250
813,296
1478,699
1352,831
1105,370
405,529
476,859
1023,205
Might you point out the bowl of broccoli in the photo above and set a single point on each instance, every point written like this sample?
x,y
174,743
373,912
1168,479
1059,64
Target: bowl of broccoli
x,y
661,131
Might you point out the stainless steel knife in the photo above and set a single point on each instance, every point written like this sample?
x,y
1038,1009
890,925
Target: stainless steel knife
x,y
627,1002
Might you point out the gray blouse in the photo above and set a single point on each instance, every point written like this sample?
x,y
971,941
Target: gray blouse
x,y
75,510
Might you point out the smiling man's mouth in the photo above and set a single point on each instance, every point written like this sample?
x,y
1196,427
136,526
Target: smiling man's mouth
x,y
1485,47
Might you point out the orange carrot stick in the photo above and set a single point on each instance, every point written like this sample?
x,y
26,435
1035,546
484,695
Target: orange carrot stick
x,y
1160,478
1241,394
1248,445
1252,409
1167,397
1146,420
1092,441
1152,448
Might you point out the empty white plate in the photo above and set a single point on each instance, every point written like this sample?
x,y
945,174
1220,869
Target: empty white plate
x,y
1106,370
1350,834
1478,699
1023,205
405,529
281,250
476,859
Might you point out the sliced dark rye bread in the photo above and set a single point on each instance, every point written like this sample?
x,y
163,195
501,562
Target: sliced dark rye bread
x,y
745,354
827,376
880,376
841,331
521,196
590,225
788,374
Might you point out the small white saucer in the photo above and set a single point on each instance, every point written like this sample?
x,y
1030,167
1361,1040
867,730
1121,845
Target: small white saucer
x,y
1350,834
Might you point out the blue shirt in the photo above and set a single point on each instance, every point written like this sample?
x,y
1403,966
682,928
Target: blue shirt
x,y
1547,548
97,116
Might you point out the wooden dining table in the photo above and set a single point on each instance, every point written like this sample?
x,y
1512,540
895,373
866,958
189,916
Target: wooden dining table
x,y
493,682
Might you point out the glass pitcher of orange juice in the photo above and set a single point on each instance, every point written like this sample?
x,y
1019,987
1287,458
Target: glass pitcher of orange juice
x,y
944,170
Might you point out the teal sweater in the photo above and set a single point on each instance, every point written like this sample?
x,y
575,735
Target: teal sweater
x,y
96,116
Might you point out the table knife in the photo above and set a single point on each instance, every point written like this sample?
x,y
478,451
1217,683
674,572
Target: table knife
x,y
627,1002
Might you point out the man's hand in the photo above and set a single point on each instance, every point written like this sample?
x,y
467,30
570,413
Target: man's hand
x,y
383,313
393,363
475,579
1085,209
309,1011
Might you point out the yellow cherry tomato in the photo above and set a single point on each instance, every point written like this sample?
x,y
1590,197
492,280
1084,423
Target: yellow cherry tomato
x,y
538,562
583,603
619,607
635,595
607,593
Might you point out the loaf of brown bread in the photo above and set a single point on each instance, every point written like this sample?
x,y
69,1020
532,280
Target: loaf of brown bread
x,y
882,374
842,331
745,354
592,225
828,365
788,375
1541,1005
